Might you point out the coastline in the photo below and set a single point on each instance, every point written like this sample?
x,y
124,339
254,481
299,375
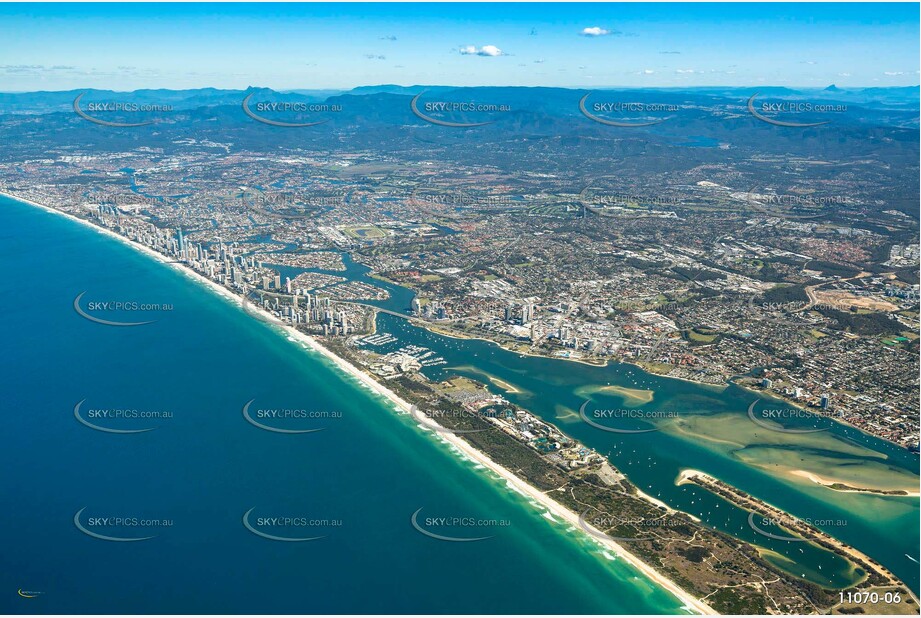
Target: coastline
x,y
688,476
778,397
729,381
601,364
829,483
690,603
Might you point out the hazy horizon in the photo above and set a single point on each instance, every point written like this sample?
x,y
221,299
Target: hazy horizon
x,y
323,46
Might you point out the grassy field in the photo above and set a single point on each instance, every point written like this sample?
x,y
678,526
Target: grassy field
x,y
364,232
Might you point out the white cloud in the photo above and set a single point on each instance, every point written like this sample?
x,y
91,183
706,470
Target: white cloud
x,y
683,71
595,31
893,73
487,50
844,74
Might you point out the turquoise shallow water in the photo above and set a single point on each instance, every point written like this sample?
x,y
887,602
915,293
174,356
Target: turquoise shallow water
x,y
884,527
357,481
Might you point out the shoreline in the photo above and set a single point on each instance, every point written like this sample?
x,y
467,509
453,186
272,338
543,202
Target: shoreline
x,y
828,483
727,382
601,364
688,476
778,397
514,482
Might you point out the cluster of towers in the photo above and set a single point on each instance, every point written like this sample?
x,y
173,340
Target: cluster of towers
x,y
525,313
222,264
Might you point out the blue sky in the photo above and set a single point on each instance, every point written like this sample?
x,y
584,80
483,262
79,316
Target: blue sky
x,y
286,46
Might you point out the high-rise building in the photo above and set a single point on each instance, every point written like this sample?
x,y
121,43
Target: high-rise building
x,y
527,313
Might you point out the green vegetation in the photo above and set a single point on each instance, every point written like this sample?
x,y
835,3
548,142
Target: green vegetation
x,y
831,269
364,232
862,323
702,335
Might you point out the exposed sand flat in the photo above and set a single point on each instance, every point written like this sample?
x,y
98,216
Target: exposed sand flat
x,y
515,483
738,430
508,387
827,482
632,396
566,415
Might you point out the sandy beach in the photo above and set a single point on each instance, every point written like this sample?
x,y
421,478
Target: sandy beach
x,y
826,482
751,503
690,603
